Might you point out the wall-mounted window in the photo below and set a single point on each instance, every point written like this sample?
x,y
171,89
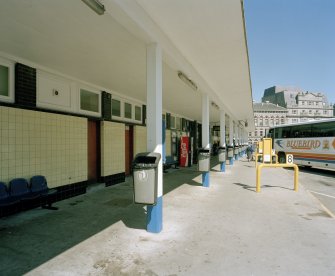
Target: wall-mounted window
x,y
116,108
138,113
6,81
127,111
173,122
178,123
90,102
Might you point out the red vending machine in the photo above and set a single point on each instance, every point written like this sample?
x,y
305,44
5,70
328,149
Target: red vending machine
x,y
184,148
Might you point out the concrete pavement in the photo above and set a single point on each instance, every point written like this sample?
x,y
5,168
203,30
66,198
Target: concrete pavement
x,y
226,229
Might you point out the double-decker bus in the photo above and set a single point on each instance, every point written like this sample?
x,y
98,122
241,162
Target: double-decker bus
x,y
312,143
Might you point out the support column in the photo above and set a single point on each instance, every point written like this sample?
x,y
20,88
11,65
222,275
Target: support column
x,y
231,143
223,138
236,140
205,134
154,130
240,139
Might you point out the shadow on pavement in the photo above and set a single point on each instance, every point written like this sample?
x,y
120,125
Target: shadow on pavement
x,y
31,238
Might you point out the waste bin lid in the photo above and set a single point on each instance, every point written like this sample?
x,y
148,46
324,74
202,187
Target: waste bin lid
x,y
147,158
204,150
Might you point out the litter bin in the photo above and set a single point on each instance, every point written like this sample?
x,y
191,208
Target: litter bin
x,y
204,160
145,177
222,154
230,151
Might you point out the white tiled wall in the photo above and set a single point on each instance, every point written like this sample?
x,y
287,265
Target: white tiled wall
x,y
112,148
140,139
34,143
168,142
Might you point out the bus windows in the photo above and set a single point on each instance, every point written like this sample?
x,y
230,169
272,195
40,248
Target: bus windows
x,y
286,132
324,129
302,131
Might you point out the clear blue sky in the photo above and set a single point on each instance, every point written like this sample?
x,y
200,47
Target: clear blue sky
x,y
291,42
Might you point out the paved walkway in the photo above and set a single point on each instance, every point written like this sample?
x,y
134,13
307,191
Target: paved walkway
x,y
226,229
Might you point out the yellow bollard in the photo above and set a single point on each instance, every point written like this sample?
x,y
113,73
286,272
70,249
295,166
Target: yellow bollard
x,y
258,174
296,177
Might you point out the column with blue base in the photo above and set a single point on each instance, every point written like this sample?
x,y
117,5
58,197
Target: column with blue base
x,y
223,166
205,179
231,161
155,216
154,130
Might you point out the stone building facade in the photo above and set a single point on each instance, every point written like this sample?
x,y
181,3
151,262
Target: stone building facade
x,y
301,106
266,115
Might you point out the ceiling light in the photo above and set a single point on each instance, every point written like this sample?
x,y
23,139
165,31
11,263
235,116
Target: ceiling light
x,y
95,5
215,105
187,80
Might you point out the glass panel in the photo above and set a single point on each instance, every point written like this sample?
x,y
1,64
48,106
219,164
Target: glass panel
x,y
178,123
286,132
127,110
138,113
301,131
173,122
4,88
89,101
323,129
116,108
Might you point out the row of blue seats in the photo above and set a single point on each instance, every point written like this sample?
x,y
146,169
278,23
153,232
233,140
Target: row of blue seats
x,y
21,195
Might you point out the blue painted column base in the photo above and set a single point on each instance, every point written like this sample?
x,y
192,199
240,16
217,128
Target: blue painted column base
x,y
236,156
205,179
223,167
155,216
231,160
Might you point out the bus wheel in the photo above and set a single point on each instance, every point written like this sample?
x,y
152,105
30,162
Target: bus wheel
x,y
281,158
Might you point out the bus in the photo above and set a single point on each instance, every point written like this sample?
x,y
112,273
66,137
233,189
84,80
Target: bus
x,y
312,143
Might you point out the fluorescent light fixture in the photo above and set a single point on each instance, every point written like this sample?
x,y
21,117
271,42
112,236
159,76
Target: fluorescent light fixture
x,y
95,5
187,80
215,105
245,122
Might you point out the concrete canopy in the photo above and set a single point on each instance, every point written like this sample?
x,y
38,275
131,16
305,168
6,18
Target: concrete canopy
x,y
205,40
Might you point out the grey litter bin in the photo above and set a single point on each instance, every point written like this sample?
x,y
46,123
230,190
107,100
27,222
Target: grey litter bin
x,y
204,160
145,176
222,154
230,151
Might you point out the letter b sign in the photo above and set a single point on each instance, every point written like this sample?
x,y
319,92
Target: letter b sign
x,y
289,159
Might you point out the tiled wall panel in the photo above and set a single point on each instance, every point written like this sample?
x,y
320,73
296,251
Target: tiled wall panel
x,y
52,145
140,139
112,148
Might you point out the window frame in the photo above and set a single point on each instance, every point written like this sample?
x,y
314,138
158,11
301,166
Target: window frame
x,y
118,117
11,80
94,91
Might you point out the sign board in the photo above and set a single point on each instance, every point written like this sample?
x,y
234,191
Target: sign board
x,y
289,159
260,147
267,149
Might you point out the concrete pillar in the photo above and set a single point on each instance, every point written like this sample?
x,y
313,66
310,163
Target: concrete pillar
x,y
231,136
223,136
205,134
236,139
154,130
